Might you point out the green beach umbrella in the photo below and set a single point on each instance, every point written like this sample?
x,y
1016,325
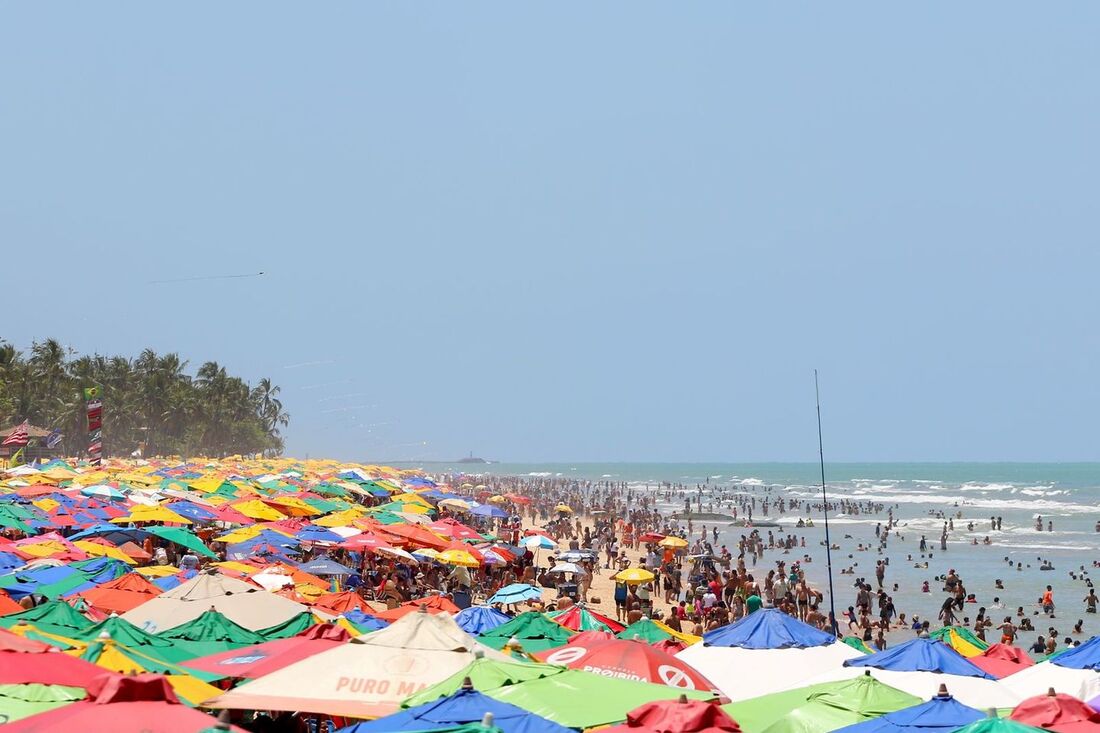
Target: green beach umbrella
x,y
330,490
579,699
23,701
856,643
323,505
9,520
531,629
210,633
134,637
845,703
291,627
951,635
485,674
644,630
181,537
55,617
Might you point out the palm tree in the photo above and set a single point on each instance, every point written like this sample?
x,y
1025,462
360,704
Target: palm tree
x,y
150,399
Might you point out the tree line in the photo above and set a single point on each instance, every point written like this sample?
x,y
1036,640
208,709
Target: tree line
x,y
149,402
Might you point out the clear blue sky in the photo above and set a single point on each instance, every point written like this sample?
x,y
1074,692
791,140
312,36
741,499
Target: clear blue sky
x,y
611,231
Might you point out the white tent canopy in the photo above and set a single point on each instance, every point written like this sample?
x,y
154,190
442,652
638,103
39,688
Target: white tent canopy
x,y
369,677
245,604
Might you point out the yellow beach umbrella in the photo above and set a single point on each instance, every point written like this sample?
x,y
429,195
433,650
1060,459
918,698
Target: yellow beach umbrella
x,y
145,513
498,499
157,571
296,507
191,689
256,509
634,576
458,557
30,631
408,497
207,484
688,639
340,519
563,509
674,542
94,548
44,548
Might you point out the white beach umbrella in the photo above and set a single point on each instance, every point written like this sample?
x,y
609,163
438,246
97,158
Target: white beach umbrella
x,y
1037,679
767,651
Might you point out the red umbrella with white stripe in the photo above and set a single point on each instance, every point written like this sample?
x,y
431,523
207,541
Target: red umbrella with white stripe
x,y
630,660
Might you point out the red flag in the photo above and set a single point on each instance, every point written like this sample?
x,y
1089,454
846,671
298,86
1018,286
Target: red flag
x,y
19,435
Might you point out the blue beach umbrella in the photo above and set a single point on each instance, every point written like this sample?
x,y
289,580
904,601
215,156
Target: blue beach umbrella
x,y
324,565
941,714
313,533
768,628
465,706
488,510
476,620
515,593
366,621
920,655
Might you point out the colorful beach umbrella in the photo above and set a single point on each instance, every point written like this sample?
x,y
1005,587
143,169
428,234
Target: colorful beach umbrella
x,y
480,619
782,652
466,705
144,702
580,618
1002,660
677,716
259,659
629,660
531,629
368,679
1058,712
941,714
515,593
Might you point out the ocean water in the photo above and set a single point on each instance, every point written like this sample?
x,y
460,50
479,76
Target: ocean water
x,y
1067,494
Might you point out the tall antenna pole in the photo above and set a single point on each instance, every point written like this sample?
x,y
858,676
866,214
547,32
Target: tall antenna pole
x,y
825,506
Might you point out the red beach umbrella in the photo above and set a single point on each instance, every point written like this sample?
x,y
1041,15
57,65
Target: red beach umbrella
x,y
670,646
11,642
260,659
1001,660
432,604
143,702
364,541
579,618
1057,712
630,660
342,602
122,594
680,716
7,605
45,668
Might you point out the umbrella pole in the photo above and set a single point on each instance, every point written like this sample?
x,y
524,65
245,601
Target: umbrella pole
x,y
825,507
